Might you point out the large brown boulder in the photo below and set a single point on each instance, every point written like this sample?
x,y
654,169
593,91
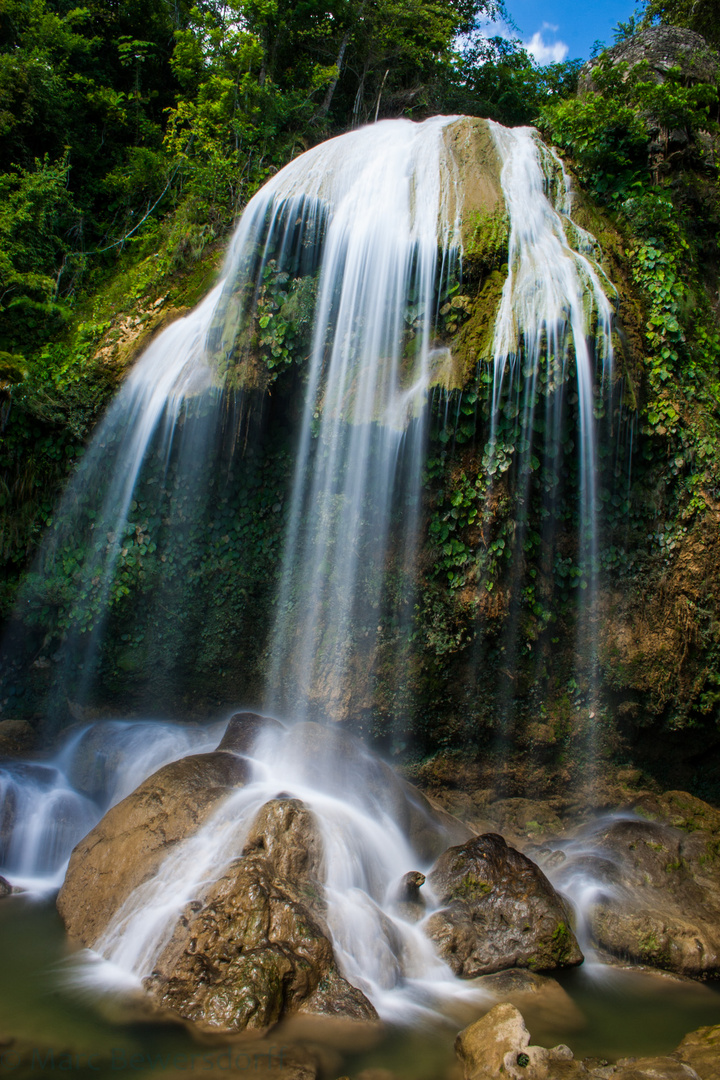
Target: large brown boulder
x,y
662,906
701,1051
255,947
500,911
128,845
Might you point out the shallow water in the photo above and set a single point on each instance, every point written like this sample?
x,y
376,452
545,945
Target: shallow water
x,y
611,1014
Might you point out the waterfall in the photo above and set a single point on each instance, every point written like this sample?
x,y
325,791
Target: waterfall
x,y
554,312
364,232
391,237
47,806
366,855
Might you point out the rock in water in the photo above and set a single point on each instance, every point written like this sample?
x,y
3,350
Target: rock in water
x,y
498,1045
243,730
256,947
128,845
663,907
701,1051
501,911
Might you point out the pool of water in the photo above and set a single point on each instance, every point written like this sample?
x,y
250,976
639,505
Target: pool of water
x,y
47,1027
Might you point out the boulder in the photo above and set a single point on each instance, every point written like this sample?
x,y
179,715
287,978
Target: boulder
x,y
662,907
17,738
130,842
498,1045
500,911
700,1050
5,888
255,947
243,730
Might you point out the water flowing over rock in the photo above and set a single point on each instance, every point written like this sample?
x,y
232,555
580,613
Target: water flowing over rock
x,y
501,911
130,843
661,905
240,889
256,947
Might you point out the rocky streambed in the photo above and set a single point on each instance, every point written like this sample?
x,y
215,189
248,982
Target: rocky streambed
x,y
285,886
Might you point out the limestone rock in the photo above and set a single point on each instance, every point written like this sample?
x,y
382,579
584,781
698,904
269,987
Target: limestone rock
x,y
501,911
662,907
663,47
255,947
127,846
499,1045
700,1050
17,738
244,728
654,1068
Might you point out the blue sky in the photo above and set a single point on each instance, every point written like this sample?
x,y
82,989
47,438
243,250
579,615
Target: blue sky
x,y
554,30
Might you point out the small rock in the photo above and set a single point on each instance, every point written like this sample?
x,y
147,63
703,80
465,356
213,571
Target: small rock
x,y
244,729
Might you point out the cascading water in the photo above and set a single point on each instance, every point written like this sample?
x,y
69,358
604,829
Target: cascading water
x,y
366,855
370,223
390,237
47,806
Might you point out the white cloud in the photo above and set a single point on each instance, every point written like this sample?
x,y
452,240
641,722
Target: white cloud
x,y
543,52
550,26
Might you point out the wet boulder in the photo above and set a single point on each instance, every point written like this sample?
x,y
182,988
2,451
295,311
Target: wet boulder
x,y
130,842
499,911
664,906
5,888
700,1050
244,729
255,947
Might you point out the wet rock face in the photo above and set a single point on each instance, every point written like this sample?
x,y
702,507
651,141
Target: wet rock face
x,y
17,738
256,946
128,845
663,908
501,911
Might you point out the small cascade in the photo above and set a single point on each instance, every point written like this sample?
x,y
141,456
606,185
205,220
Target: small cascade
x,y
47,806
366,855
